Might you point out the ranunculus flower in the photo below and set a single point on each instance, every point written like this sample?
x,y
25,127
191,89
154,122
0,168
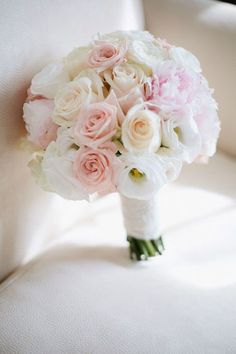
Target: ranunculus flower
x,y
141,130
106,54
172,86
96,124
37,115
76,61
181,135
49,80
70,98
143,175
96,170
57,168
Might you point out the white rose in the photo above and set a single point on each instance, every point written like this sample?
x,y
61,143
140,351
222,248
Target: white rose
x,y
70,98
97,84
142,176
124,77
180,134
184,58
58,171
49,80
141,130
76,61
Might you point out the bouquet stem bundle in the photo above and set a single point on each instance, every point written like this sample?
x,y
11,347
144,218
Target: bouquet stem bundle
x,y
141,250
142,226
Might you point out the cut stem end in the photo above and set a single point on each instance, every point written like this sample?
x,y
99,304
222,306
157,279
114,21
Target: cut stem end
x,y
142,250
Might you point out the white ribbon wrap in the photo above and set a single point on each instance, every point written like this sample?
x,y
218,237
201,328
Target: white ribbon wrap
x,y
141,217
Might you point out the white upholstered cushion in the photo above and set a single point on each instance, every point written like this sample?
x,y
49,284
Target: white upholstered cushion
x,y
85,296
34,33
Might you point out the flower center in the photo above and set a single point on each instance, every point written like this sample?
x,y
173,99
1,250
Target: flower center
x,y
136,175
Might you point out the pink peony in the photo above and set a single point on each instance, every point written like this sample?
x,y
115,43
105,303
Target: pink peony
x,y
172,86
96,124
38,118
32,97
105,55
96,170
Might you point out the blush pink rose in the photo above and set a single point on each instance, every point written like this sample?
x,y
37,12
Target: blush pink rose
x,y
96,124
96,170
105,55
38,118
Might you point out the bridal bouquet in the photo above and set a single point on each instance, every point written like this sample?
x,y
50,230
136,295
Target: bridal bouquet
x,y
120,115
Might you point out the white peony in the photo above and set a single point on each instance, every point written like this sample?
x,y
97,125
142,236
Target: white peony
x,y
180,134
142,176
49,80
141,130
146,53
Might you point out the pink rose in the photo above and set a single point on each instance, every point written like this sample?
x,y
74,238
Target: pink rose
x,y
96,170
105,55
38,118
96,124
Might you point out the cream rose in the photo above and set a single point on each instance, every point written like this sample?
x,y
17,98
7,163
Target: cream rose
x,y
69,99
49,80
124,77
141,130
